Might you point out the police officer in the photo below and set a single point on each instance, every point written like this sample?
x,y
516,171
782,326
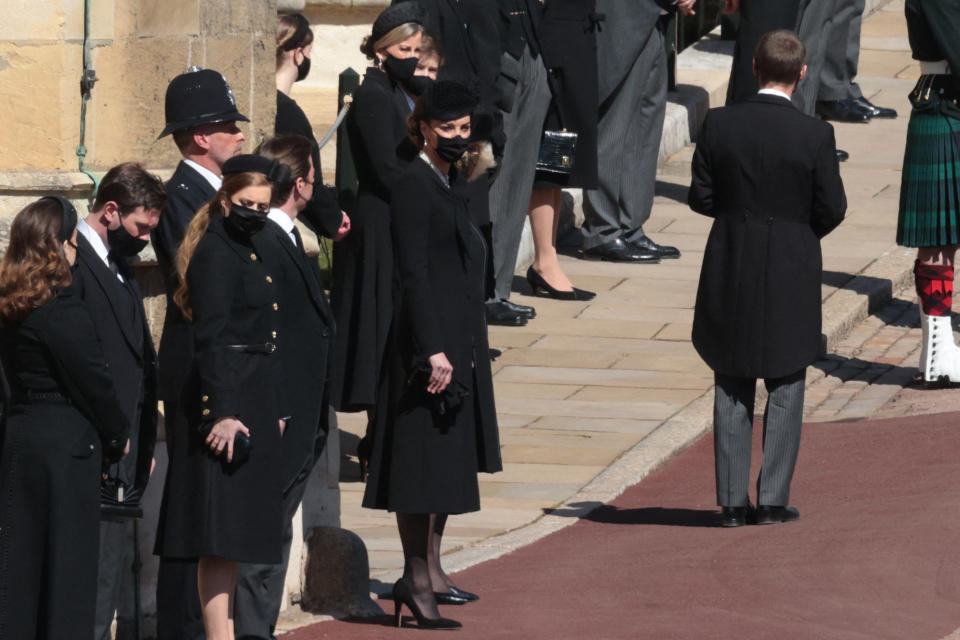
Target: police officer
x,y
126,208
202,115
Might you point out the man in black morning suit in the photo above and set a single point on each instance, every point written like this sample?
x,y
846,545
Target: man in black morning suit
x,y
202,115
769,177
303,340
127,207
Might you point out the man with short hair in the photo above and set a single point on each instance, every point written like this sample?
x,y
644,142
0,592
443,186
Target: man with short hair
x,y
769,177
202,115
126,209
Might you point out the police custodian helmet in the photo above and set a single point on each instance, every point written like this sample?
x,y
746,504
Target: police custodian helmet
x,y
199,96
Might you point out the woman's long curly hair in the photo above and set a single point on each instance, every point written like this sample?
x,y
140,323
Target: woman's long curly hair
x,y
34,268
232,183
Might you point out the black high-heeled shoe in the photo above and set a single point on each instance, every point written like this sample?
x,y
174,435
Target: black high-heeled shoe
x,y
455,596
402,595
543,289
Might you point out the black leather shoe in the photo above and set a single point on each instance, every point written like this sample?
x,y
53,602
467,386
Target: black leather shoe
x,y
619,251
499,314
766,514
733,516
455,596
662,250
842,111
842,156
874,110
543,288
521,310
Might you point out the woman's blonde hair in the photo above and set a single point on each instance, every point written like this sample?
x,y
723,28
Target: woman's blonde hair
x,y
394,36
232,183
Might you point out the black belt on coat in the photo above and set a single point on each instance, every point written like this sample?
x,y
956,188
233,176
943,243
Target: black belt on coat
x,y
264,347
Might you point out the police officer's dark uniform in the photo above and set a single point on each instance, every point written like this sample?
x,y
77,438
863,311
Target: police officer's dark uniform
x,y
198,97
63,417
116,308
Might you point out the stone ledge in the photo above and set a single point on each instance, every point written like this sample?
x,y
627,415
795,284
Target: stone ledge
x,y
347,3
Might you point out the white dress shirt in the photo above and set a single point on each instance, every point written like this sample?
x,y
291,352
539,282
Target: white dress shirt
x,y
98,246
215,181
774,92
284,221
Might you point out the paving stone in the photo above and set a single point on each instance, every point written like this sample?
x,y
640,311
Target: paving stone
x,y
532,391
648,379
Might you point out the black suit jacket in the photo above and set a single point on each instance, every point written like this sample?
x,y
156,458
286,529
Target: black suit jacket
x,y
304,341
769,176
121,326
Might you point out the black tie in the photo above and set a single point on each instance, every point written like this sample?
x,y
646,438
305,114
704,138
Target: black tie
x,y
296,236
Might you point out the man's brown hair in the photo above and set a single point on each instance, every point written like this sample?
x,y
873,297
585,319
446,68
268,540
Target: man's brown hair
x,y
779,57
130,186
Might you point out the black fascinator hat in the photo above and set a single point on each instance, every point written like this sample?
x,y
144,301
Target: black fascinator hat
x,y
276,172
396,15
447,100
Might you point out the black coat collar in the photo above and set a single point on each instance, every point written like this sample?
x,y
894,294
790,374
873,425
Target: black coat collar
x,y
766,98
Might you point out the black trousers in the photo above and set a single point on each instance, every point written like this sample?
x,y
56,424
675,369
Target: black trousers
x,y
757,17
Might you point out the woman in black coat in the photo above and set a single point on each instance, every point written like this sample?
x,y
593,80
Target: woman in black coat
x,y
234,513
362,290
63,419
435,425
569,47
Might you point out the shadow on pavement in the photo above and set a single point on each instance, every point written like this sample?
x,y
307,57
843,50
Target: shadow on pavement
x,y
611,514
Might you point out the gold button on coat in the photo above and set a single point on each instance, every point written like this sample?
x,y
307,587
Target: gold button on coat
x,y
276,307
205,398
273,334
206,412
269,280
253,257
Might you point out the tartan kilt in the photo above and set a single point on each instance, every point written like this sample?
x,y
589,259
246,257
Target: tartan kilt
x,y
930,186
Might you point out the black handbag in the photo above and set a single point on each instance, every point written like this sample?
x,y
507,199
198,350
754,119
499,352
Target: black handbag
x,y
557,150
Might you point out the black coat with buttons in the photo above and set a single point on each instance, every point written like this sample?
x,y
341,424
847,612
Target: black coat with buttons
x,y
769,177
231,510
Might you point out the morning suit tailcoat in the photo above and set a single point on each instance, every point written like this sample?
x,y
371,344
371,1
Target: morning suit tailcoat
x,y
568,42
116,309
768,175
362,292
305,336
63,417
323,213
424,462
230,510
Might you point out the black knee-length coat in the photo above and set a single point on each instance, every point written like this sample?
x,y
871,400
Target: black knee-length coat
x,y
362,292
768,175
232,511
424,462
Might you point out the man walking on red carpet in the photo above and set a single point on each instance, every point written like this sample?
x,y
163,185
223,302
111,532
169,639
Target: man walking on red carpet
x,y
769,177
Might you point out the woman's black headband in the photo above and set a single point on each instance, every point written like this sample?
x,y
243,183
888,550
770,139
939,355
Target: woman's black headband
x,y
276,172
68,217
296,40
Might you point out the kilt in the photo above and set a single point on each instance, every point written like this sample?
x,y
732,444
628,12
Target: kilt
x,y
930,187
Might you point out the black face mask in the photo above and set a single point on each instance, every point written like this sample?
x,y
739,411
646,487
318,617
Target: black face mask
x,y
245,221
417,85
400,70
450,149
124,244
303,69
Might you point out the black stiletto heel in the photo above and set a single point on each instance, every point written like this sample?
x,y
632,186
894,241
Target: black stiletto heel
x,y
402,595
543,289
364,448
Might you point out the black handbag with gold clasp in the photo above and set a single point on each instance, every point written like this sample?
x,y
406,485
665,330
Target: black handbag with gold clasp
x,y
556,151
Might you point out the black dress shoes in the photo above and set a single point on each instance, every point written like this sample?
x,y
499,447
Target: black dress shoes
x,y
543,288
773,515
498,313
521,310
874,110
663,251
735,516
842,156
842,111
619,251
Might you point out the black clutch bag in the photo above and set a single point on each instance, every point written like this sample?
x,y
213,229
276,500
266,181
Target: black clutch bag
x,y
445,402
241,445
556,152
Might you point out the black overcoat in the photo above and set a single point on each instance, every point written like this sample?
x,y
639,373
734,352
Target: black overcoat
x,y
304,340
121,325
423,462
64,415
362,292
568,41
769,176
322,213
231,511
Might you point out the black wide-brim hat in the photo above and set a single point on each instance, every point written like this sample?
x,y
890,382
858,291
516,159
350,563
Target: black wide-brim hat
x,y
396,15
447,100
199,96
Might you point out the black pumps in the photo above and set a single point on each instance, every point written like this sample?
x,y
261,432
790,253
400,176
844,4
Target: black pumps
x,y
455,596
403,596
542,288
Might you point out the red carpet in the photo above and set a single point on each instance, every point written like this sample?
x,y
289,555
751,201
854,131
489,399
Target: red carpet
x,y
875,554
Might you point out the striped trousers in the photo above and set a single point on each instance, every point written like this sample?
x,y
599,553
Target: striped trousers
x,y
733,437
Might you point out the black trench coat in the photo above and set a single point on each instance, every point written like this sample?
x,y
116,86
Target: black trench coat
x,y
769,176
424,462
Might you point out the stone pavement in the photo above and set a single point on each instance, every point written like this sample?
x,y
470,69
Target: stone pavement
x,y
592,397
